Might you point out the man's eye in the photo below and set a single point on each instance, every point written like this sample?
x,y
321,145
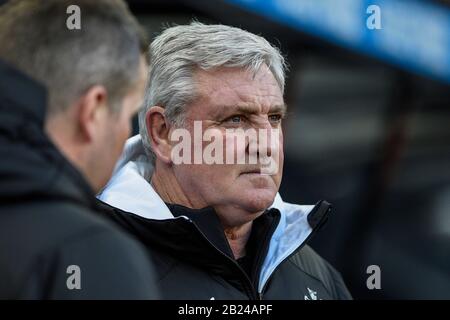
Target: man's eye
x,y
275,117
235,119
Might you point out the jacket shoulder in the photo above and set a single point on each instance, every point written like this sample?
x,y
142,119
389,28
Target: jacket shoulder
x,y
65,234
315,266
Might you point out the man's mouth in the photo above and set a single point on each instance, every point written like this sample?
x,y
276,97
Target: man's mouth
x,y
252,171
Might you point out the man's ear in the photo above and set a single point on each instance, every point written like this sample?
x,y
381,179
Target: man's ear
x,y
158,131
92,109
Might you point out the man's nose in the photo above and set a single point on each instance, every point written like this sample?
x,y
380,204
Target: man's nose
x,y
266,139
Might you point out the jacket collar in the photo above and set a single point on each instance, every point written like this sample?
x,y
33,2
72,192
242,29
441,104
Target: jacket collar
x,y
26,152
130,191
21,94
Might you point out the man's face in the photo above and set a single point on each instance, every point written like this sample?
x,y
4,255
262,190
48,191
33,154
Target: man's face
x,y
229,99
118,126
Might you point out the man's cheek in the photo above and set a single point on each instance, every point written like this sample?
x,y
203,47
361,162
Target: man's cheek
x,y
230,150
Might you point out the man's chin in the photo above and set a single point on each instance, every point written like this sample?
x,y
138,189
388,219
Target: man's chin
x,y
258,200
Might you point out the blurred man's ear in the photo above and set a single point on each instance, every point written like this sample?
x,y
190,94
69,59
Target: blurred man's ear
x,y
92,109
158,131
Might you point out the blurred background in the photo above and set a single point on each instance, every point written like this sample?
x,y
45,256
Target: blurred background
x,y
368,127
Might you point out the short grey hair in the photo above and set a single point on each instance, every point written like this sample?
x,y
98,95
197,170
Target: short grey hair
x,y
179,51
105,51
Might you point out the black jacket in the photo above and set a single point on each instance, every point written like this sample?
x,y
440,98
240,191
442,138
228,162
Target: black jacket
x,y
192,257
47,215
194,261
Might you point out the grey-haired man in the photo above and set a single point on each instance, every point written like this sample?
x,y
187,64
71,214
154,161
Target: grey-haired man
x,y
213,218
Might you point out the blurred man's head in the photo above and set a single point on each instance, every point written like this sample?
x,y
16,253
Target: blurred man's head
x,y
219,79
94,75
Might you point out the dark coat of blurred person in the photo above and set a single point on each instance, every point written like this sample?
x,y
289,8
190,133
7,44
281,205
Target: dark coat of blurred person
x,y
217,228
63,120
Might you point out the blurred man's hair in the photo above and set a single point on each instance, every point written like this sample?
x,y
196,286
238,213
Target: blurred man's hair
x,y
106,50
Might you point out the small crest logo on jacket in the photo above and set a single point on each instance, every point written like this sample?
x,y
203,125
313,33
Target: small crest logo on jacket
x,y
312,295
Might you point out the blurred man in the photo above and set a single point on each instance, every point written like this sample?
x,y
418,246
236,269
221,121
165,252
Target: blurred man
x,y
63,124
214,222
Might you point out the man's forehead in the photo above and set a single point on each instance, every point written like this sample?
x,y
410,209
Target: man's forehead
x,y
224,77
235,89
